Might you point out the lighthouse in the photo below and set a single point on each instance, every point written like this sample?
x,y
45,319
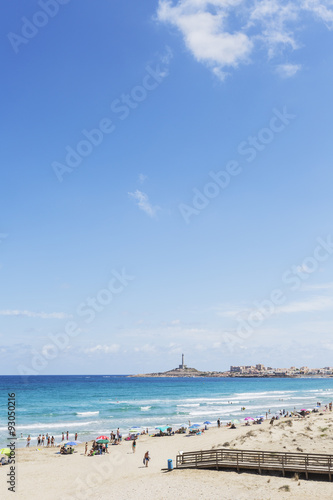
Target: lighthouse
x,y
182,366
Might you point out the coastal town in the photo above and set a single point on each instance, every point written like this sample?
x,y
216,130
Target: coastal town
x,y
258,370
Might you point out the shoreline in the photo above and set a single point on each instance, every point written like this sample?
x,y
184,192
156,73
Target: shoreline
x,y
162,375
121,474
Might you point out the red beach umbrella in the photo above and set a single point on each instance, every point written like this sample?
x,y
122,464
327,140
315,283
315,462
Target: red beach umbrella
x,y
102,437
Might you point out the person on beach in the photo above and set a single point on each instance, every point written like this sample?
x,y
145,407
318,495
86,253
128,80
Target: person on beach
x,y
43,440
146,458
134,445
86,448
75,437
62,437
67,434
52,441
48,441
218,422
28,441
38,440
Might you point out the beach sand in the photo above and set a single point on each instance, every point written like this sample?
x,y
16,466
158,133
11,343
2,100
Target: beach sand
x,y
121,474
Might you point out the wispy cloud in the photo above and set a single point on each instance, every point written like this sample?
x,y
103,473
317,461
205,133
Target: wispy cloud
x,y
142,178
33,314
145,348
322,9
318,286
144,204
104,349
308,305
288,70
225,33
320,303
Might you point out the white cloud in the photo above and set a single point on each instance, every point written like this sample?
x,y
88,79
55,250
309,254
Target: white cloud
x,y
104,349
309,305
314,304
205,33
224,33
321,9
32,314
318,286
287,70
144,204
145,348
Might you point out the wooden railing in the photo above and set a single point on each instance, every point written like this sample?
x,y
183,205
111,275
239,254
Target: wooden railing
x,y
260,460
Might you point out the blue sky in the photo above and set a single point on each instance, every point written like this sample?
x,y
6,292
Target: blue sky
x,y
166,185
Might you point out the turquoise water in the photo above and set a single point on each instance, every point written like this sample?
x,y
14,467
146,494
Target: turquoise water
x,y
94,405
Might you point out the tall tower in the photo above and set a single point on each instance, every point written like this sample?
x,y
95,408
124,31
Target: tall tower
x,y
182,366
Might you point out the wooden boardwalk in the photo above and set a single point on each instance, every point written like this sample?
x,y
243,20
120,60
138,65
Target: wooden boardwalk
x,y
307,463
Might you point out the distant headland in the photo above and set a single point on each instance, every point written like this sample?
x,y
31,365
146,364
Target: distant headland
x,y
258,370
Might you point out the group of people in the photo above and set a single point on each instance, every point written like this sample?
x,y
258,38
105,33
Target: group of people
x,y
67,436
96,449
49,440
116,438
66,451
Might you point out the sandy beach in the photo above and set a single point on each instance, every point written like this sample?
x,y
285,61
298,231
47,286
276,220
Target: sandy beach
x,y
121,474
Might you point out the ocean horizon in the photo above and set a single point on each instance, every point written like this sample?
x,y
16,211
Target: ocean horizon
x,y
98,404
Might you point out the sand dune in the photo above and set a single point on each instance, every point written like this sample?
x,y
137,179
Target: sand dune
x,y
121,474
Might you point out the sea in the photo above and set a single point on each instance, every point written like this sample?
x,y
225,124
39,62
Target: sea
x,y
96,405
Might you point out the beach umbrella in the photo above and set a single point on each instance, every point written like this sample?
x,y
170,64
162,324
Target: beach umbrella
x,y
102,441
163,428
207,422
248,418
195,426
72,443
260,416
102,437
135,430
5,451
